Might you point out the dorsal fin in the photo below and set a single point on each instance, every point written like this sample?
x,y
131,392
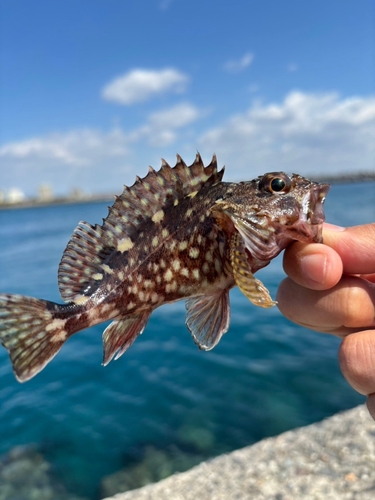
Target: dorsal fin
x,y
157,191
90,246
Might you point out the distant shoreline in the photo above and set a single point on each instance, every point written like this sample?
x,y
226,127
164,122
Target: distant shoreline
x,y
101,198
32,203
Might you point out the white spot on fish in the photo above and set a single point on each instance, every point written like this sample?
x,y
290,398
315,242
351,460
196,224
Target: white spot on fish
x,y
80,300
185,272
158,216
149,284
182,245
193,194
176,264
57,324
97,276
107,269
124,245
120,275
193,252
155,241
196,274
171,287
59,337
168,275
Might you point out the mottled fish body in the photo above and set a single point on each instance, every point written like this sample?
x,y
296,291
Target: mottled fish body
x,y
179,233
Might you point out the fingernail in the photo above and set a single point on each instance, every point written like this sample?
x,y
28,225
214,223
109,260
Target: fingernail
x,y
314,267
333,227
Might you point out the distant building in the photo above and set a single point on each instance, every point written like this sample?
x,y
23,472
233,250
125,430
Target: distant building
x,y
15,195
76,194
45,193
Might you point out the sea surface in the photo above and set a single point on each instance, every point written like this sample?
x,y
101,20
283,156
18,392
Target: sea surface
x,y
266,376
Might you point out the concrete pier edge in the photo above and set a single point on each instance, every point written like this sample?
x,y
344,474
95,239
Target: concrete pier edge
x,y
329,460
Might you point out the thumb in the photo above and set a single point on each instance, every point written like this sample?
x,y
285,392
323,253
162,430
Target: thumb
x,y
355,245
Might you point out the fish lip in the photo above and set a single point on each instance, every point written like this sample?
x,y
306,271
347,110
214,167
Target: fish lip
x,y
315,212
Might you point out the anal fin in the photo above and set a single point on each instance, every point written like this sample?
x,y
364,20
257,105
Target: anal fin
x,y
251,287
208,318
121,333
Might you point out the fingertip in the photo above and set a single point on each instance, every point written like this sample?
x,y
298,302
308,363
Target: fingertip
x,y
357,361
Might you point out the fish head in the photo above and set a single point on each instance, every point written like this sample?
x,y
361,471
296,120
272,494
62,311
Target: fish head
x,y
292,205
272,211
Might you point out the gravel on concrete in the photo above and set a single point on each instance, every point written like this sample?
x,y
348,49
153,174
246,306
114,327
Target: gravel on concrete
x,y
330,460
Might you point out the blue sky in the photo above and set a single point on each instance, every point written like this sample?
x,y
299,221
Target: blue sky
x,y
92,92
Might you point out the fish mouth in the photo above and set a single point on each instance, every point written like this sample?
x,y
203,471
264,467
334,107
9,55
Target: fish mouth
x,y
314,210
310,224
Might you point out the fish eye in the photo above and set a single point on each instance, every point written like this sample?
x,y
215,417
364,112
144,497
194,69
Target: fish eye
x,y
275,182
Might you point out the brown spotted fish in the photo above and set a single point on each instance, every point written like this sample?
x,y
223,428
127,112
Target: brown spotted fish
x,y
179,233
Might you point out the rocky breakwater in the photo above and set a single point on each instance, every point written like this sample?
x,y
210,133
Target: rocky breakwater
x,y
330,460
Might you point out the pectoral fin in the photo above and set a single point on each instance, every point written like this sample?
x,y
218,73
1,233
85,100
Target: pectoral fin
x,y
257,234
251,287
208,318
120,335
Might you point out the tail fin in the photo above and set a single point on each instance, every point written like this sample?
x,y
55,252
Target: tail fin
x,y
31,332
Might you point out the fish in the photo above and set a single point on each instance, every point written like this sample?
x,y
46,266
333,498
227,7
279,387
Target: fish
x,y
179,233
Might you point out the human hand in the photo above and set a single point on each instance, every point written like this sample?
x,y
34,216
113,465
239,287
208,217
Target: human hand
x,y
331,288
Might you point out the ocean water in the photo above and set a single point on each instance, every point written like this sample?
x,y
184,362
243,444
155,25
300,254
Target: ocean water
x,y
266,376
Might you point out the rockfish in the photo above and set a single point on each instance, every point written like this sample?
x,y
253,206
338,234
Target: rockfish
x,y
179,233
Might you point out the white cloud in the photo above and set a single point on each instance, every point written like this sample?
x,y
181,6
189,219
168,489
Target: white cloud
x,y
305,133
77,147
83,157
64,160
161,127
235,66
141,84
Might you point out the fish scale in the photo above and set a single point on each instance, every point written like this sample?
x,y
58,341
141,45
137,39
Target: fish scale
x,y
179,233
